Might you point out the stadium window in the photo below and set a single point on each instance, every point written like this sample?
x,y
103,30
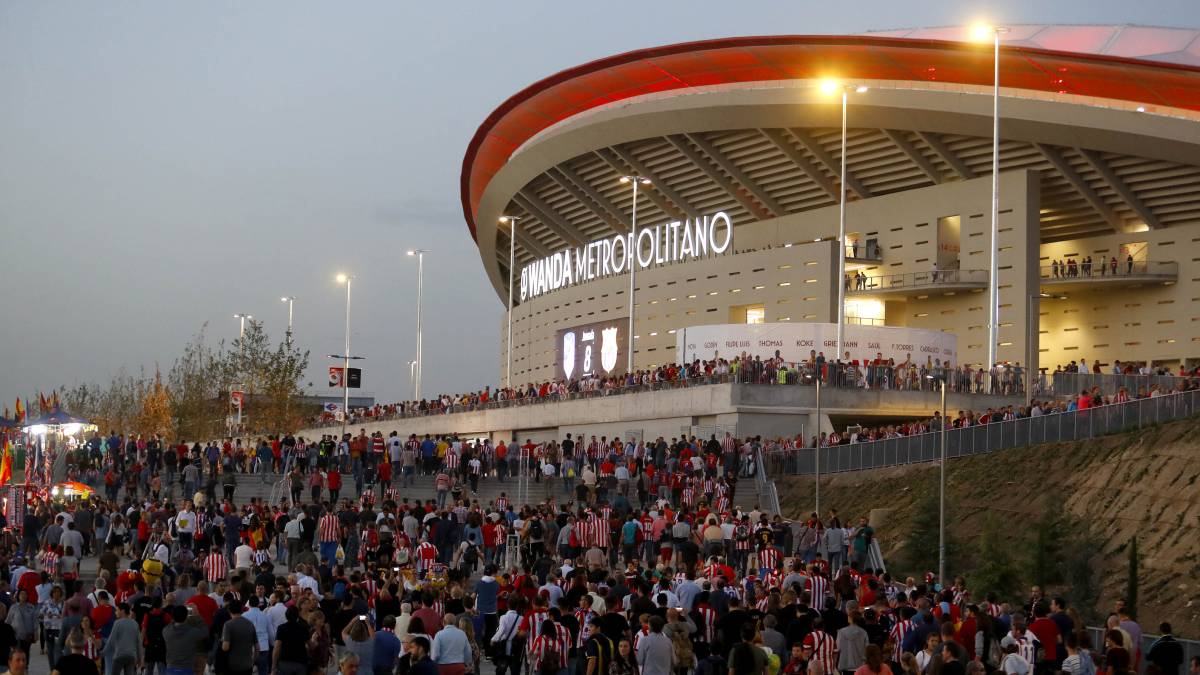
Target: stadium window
x,y
756,314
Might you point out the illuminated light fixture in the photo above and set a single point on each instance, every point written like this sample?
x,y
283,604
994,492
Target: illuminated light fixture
x,y
692,296
671,332
759,288
712,292
1141,108
817,239
640,179
785,283
829,86
788,245
654,333
861,89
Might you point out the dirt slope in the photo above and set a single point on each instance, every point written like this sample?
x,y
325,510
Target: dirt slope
x,y
1143,483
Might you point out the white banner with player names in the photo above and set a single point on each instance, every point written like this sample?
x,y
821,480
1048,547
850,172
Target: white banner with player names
x,y
796,342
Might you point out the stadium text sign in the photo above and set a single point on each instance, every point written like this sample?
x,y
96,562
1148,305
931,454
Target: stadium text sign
x,y
796,342
675,241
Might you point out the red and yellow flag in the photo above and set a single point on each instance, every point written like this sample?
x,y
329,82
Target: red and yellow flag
x,y
20,416
6,463
43,404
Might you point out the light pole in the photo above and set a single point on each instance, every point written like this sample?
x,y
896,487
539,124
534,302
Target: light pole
x,y
942,489
420,254
633,180
289,299
829,87
412,376
242,317
817,457
993,266
347,280
511,221
242,327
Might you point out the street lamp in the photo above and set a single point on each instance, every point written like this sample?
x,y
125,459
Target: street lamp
x,y
347,280
829,87
633,180
420,254
412,376
511,221
817,457
942,490
289,299
982,32
242,328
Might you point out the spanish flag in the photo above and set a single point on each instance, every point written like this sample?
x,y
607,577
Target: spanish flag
x,y
6,462
20,416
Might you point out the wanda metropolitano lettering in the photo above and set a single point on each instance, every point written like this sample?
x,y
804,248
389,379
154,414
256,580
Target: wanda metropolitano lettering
x,y
675,241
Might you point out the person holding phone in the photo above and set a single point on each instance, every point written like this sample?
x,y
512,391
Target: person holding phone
x,y
359,636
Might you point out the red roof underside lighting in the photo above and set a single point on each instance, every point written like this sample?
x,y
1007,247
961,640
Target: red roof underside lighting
x,y
737,60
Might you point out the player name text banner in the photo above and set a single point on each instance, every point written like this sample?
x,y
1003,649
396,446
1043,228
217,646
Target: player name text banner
x,y
796,341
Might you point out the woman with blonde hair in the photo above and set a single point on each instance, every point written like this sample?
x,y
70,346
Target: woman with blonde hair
x,y
467,626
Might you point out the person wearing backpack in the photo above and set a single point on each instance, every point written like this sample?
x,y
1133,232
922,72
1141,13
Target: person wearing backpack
x,y
598,650
155,645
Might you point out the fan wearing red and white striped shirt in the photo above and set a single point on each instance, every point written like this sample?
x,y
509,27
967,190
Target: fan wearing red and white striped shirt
x,y
215,567
548,642
706,627
897,634
817,587
821,647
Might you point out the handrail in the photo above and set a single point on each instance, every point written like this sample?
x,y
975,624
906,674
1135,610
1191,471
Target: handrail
x,y
961,442
915,279
1070,384
879,378
1072,269
766,486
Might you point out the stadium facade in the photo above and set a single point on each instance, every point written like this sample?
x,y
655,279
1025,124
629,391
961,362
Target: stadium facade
x,y
739,146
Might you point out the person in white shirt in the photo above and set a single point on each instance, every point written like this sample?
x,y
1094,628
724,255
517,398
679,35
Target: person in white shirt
x,y
243,556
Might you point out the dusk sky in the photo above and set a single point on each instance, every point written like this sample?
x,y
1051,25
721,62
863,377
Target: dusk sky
x,y
165,165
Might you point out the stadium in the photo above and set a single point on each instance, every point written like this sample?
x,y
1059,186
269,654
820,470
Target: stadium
x,y
734,149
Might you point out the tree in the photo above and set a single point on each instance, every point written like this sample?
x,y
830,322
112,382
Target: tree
x,y
1131,585
920,547
198,388
270,378
997,570
156,416
1046,554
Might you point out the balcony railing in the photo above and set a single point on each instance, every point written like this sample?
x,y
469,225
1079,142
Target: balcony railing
x,y
1069,384
887,283
1060,427
1099,271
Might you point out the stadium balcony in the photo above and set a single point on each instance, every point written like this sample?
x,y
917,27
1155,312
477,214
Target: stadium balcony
x,y
1062,278
913,282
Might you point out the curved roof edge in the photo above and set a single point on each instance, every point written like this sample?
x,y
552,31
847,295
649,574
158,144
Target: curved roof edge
x,y
758,58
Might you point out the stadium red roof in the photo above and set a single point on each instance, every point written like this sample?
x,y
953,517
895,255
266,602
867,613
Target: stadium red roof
x,y
1170,82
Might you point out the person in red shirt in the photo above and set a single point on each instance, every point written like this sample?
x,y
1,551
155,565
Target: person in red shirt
x,y
334,483
1046,631
205,606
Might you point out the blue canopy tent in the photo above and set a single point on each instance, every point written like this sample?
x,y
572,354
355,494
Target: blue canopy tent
x,y
57,417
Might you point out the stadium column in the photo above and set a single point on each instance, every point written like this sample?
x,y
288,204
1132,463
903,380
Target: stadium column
x,y
1019,247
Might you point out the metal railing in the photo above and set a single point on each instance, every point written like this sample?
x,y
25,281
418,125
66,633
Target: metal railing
x,y
1191,648
886,282
1068,426
851,376
767,494
1067,384
1100,270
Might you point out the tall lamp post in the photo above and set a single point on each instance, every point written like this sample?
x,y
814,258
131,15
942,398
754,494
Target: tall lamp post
x,y
817,456
420,254
994,32
633,180
511,221
290,300
347,280
242,317
242,327
412,376
942,488
831,87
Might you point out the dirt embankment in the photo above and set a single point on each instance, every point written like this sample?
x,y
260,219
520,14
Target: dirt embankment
x,y
1142,484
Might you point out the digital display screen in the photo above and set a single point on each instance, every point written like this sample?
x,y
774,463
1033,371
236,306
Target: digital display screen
x,y
592,350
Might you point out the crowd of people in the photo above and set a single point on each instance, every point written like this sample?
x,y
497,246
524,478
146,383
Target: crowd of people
x,y
867,372
1071,268
629,559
